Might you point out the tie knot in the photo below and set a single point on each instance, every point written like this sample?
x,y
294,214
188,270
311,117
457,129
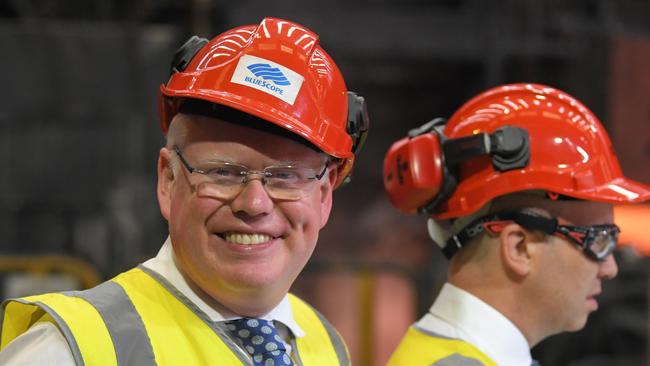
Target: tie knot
x,y
260,339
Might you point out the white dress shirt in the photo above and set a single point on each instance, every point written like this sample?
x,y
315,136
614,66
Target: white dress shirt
x,y
43,344
458,314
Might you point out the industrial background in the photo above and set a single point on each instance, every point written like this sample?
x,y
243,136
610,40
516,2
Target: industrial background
x,y
79,140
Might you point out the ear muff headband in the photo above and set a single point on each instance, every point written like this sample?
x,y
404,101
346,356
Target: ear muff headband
x,y
508,146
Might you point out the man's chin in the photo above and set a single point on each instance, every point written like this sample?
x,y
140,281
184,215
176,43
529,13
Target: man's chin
x,y
257,280
578,324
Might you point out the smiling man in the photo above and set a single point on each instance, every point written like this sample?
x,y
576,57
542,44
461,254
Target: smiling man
x,y
260,130
519,186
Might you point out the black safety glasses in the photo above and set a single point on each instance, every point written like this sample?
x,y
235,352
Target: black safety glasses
x,y
596,241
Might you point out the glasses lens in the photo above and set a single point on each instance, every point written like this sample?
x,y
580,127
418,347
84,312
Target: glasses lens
x,y
281,184
287,177
213,190
284,194
226,174
602,241
227,180
227,192
290,183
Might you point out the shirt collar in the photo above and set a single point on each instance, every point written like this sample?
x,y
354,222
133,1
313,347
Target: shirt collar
x,y
481,325
164,264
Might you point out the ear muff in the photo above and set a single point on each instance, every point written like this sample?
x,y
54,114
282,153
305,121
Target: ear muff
x,y
358,121
357,125
415,172
420,171
184,55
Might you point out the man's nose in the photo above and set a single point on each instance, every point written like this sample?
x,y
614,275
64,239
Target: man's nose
x,y
253,199
608,268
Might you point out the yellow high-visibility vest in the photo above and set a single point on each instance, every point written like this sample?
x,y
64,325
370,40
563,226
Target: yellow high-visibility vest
x,y
420,348
139,319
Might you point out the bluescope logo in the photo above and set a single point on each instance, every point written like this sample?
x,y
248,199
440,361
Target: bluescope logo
x,y
269,77
268,72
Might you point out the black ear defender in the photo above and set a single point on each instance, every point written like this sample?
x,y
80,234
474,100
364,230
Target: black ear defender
x,y
185,53
357,124
508,147
358,121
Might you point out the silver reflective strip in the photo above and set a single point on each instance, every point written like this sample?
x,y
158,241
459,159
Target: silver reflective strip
x,y
458,360
295,353
222,333
453,360
337,341
130,339
63,327
433,334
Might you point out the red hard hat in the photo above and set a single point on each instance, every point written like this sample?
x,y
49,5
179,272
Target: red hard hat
x,y
278,72
508,139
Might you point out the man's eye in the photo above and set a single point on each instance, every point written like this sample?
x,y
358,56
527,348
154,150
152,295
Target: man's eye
x,y
285,174
224,172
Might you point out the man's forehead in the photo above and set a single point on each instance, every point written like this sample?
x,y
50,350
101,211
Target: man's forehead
x,y
206,110
233,138
577,212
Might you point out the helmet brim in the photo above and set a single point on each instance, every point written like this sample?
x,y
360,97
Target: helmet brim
x,y
619,190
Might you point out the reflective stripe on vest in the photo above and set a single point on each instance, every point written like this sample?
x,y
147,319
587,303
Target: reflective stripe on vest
x,y
315,350
139,318
78,320
179,334
423,348
124,325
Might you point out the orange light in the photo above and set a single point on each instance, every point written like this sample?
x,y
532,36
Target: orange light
x,y
634,221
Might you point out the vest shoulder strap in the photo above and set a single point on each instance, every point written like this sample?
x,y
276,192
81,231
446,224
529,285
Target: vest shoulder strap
x,y
130,320
420,347
322,344
179,332
78,320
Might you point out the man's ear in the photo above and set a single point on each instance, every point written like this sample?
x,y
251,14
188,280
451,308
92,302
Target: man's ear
x,y
165,181
326,189
516,249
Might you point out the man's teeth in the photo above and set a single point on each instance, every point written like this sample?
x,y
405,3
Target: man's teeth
x,y
247,239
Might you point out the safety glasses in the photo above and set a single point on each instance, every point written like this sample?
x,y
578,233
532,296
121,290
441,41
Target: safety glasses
x,y
596,241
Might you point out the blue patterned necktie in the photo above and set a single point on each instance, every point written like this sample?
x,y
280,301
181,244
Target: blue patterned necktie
x,y
260,339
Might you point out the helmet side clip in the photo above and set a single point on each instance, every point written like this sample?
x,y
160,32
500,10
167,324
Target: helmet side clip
x,y
510,148
358,121
186,53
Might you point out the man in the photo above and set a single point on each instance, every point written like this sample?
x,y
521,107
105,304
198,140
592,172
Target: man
x,y
260,129
519,184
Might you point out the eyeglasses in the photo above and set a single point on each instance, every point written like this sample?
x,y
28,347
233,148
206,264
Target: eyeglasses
x,y
281,182
596,241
